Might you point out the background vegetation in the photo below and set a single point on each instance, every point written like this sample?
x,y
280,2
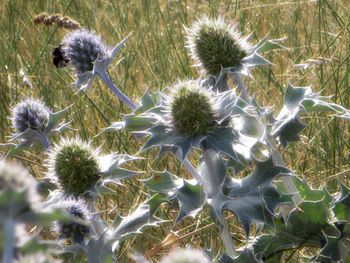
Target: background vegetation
x,y
317,33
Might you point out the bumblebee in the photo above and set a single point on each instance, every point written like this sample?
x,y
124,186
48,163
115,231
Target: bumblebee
x,y
58,58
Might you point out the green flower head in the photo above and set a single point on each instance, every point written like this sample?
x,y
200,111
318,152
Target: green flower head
x,y
74,165
214,45
191,110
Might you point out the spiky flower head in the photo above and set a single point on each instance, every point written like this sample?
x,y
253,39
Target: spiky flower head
x,y
77,208
83,48
30,114
214,45
192,112
74,166
188,255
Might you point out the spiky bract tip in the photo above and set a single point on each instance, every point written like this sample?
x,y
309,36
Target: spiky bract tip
x,y
191,110
82,48
188,255
214,45
75,166
30,113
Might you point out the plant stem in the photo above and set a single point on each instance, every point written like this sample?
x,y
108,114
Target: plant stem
x,y
241,87
190,168
210,192
45,143
97,221
276,156
9,241
226,238
286,180
125,99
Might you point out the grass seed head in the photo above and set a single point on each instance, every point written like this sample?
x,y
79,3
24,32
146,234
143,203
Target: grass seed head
x,y
31,114
213,44
82,48
191,110
75,165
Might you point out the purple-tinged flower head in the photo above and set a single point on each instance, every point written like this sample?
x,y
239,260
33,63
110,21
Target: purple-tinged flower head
x,y
74,166
30,113
75,231
214,45
83,48
187,255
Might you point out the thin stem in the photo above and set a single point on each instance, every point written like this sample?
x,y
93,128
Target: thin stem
x,y
276,156
286,180
97,221
210,192
45,143
226,238
9,242
241,87
125,99
190,168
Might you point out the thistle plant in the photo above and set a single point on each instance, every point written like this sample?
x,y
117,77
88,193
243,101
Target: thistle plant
x,y
189,116
90,57
214,45
33,123
78,169
219,49
238,147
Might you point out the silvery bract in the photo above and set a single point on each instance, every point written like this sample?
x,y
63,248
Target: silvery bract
x,y
90,57
33,123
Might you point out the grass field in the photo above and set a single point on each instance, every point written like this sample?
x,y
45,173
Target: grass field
x,y
316,32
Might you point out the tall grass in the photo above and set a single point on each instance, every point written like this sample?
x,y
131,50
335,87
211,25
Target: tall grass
x,y
155,57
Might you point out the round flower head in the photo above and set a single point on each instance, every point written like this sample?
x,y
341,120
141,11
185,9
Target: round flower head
x,y
187,255
30,114
214,45
71,230
74,166
82,48
191,110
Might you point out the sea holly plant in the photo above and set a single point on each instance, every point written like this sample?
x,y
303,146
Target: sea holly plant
x,y
189,116
219,50
20,204
33,123
77,169
90,57
241,169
